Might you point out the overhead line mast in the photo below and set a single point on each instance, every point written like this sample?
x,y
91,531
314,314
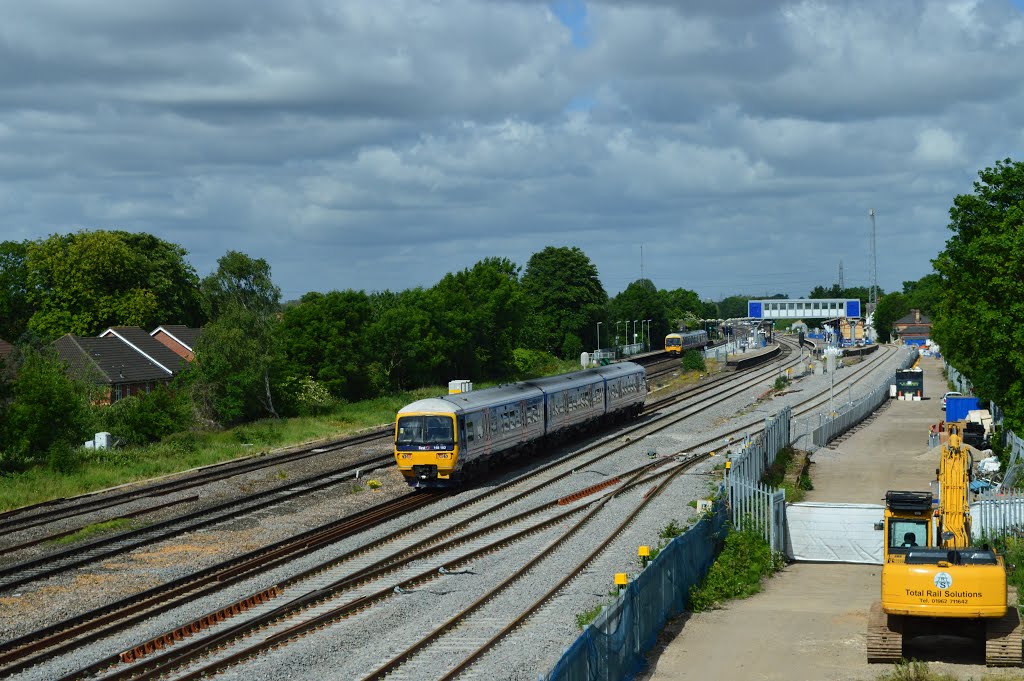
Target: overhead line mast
x,y
873,296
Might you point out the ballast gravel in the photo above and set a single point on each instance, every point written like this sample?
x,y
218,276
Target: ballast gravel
x,y
359,645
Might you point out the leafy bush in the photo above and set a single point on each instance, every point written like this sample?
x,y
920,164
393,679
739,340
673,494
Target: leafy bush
x,y
781,382
313,397
585,618
530,363
185,444
745,560
63,457
259,433
147,417
672,530
693,360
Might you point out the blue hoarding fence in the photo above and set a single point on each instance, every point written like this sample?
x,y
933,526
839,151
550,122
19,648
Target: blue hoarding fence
x,y
612,648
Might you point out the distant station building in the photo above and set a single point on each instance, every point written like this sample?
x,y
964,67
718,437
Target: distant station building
x,y
913,328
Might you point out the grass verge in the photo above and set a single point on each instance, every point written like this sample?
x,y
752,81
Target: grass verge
x,y
99,469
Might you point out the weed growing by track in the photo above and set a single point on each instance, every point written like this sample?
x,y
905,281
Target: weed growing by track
x,y
98,528
745,561
787,473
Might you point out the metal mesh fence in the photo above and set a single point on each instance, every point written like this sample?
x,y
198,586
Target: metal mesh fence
x,y
613,646
818,430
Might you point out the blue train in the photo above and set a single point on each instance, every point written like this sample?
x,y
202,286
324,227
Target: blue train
x,y
440,441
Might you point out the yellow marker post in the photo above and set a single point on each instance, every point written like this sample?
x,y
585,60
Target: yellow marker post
x,y
621,579
645,554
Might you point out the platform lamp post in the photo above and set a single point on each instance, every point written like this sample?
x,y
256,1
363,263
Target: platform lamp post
x,y
635,321
599,336
649,346
617,331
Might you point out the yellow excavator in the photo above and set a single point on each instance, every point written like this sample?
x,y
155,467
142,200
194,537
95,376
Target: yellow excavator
x,y
933,581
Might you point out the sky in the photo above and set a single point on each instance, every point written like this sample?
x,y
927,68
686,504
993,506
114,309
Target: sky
x,y
723,146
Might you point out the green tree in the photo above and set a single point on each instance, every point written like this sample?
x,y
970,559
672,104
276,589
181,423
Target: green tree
x,y
323,338
47,409
240,281
85,282
734,307
924,294
480,315
564,301
640,301
682,307
404,339
15,310
240,365
890,308
979,320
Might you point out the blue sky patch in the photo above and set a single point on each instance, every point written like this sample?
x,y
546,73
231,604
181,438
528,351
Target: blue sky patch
x,y
573,13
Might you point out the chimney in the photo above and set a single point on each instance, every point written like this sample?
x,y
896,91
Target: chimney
x,y
917,316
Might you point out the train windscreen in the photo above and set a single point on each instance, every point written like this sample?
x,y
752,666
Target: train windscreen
x,y
429,432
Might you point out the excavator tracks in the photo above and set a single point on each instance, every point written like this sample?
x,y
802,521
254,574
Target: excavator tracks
x,y
1003,640
885,635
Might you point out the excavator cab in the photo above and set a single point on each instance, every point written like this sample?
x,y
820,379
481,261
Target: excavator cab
x,y
933,581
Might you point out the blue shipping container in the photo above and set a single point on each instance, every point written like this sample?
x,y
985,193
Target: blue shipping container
x,y
957,407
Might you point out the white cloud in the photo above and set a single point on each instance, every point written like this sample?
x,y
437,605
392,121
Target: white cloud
x,y
322,135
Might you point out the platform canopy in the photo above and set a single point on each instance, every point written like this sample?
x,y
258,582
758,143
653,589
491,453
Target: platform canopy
x,y
806,308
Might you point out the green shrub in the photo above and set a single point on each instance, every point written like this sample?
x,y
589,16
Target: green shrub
x,y
530,363
313,398
745,560
672,530
781,382
259,433
63,457
147,417
373,484
585,618
693,360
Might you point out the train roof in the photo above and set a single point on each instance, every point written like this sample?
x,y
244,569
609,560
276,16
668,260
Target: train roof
x,y
620,369
502,394
475,399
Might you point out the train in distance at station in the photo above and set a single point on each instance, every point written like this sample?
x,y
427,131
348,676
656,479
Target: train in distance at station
x,y
678,343
442,441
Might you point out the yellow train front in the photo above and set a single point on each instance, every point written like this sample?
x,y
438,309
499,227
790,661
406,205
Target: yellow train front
x,y
678,343
440,441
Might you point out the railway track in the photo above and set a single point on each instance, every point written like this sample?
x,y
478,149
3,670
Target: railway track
x,y
57,509
259,600
55,563
566,466
105,547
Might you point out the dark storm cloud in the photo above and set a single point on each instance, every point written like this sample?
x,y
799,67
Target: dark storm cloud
x,y
381,145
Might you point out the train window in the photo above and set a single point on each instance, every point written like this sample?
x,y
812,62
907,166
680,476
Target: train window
x,y
410,430
470,434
